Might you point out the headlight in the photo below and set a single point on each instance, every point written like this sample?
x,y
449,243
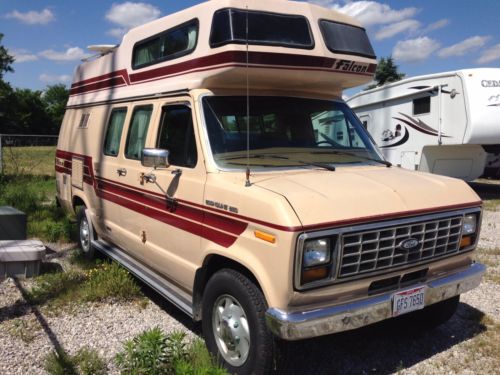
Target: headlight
x,y
469,224
316,252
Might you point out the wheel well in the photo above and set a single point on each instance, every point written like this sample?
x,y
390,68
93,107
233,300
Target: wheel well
x,y
211,265
77,201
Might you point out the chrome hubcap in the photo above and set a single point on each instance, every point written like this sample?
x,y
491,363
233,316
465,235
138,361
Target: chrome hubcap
x,y
231,332
85,234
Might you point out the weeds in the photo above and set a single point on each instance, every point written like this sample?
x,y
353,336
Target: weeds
x,y
84,362
110,280
24,329
153,352
103,281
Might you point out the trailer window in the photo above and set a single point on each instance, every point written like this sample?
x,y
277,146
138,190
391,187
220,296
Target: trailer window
x,y
229,26
176,135
137,132
347,39
114,132
422,105
171,44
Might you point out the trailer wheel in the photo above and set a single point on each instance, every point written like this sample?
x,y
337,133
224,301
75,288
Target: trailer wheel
x,y
234,324
85,233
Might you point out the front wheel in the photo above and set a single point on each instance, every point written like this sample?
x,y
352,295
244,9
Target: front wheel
x,y
234,324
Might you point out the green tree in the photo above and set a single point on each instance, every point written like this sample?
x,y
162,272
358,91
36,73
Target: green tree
x,y
387,72
6,60
55,98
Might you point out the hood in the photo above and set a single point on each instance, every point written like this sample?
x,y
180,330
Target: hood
x,y
326,197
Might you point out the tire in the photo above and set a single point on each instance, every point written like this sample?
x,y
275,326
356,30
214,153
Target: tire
x,y
234,327
434,315
85,233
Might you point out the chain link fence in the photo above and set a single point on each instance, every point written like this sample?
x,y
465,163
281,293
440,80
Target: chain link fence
x,y
27,154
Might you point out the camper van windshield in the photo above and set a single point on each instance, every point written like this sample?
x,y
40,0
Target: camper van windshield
x,y
229,26
285,132
348,39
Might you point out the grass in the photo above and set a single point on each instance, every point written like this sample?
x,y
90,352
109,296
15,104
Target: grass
x,y
27,183
35,160
25,329
35,196
84,362
154,353
491,258
102,281
481,352
491,204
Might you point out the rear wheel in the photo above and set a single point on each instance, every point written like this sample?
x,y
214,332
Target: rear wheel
x,y
234,324
85,233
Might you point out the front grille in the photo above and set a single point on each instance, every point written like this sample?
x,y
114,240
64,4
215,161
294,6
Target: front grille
x,y
377,249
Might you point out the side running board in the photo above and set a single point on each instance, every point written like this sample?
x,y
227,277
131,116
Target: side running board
x,y
171,292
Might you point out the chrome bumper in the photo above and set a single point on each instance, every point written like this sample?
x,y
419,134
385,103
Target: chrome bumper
x,y
326,320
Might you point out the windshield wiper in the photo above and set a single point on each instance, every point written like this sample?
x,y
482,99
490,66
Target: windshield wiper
x,y
380,161
264,156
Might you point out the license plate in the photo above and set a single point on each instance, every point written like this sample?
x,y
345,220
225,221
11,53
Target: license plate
x,y
408,300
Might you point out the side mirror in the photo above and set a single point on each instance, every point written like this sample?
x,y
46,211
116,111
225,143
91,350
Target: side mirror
x,y
155,158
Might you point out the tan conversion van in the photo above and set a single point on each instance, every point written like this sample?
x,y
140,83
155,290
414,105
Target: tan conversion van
x,y
222,167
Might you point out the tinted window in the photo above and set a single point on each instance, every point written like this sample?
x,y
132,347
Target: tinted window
x,y
171,44
422,105
348,39
114,132
229,26
284,132
137,132
176,135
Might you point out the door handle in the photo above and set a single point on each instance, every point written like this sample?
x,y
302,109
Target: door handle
x,y
121,172
147,177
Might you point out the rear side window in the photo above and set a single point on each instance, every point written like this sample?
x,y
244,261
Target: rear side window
x,y
229,26
177,135
422,105
137,132
171,44
348,39
114,132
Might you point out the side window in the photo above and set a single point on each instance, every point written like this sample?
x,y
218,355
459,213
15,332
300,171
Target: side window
x,y
176,134
422,105
114,132
137,132
171,44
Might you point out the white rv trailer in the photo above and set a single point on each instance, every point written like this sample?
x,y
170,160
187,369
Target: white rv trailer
x,y
443,123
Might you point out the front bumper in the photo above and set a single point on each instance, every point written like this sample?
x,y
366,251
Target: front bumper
x,y
326,320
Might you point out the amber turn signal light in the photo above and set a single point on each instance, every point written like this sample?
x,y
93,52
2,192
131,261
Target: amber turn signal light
x,y
314,274
465,241
265,236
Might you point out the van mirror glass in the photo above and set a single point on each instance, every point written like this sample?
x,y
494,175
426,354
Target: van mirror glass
x,y
155,158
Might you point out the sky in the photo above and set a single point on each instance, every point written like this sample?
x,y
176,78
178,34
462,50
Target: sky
x,y
48,38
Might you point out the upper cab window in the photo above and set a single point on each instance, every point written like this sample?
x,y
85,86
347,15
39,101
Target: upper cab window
x,y
229,26
176,134
114,132
346,39
171,44
137,132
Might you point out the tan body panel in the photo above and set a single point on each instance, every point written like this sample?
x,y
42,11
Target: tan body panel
x,y
282,203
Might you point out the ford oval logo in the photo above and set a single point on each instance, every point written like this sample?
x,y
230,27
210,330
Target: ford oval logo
x,y
408,244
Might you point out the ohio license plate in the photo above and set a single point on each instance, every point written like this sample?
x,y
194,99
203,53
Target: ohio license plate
x,y
408,300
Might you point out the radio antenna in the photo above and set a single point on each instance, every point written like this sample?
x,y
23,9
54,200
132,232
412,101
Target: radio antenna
x,y
247,182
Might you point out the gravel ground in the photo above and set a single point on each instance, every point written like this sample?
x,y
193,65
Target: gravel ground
x,y
468,344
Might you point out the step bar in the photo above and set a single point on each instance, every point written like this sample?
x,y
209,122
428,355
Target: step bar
x,y
168,290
